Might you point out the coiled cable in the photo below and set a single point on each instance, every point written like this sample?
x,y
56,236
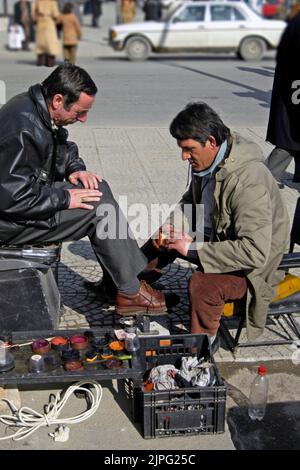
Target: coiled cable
x,y
28,421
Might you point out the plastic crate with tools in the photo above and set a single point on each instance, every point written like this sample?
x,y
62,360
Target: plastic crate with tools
x,y
182,411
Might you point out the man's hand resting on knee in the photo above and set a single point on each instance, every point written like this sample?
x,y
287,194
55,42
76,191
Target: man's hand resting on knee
x,y
88,179
90,193
79,198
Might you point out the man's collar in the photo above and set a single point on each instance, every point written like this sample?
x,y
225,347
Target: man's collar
x,y
37,96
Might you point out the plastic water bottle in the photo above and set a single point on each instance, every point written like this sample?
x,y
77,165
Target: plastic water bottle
x,y
258,394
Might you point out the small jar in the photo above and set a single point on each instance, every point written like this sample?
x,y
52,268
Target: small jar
x,y
70,355
60,343
117,345
91,356
73,366
7,359
99,343
40,346
52,360
36,364
113,363
79,342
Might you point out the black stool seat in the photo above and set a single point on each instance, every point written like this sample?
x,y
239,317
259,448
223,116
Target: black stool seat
x,y
29,296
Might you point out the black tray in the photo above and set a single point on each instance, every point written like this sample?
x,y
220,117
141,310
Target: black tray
x,y
21,375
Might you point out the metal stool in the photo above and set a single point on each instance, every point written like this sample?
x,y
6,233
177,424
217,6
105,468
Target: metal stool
x,y
282,307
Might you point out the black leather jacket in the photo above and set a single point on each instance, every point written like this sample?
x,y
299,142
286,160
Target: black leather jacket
x,y
33,156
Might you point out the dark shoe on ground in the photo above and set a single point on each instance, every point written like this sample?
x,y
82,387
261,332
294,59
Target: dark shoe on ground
x,y
105,287
105,290
146,302
150,275
172,300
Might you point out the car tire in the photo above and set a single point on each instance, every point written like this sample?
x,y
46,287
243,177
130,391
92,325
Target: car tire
x,y
137,48
252,49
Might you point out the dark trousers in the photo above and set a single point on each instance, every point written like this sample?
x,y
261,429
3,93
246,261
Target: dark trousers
x,y
279,159
70,53
208,292
121,258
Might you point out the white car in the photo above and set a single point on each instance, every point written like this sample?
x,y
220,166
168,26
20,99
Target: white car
x,y
200,26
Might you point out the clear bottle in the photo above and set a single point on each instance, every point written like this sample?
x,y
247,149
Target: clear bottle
x,y
259,394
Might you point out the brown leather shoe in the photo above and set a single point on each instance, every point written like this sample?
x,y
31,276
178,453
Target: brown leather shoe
x,y
147,301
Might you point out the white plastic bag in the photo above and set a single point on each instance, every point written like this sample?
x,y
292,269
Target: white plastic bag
x,y
15,37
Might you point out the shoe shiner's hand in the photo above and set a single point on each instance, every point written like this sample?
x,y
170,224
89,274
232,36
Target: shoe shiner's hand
x,y
180,242
79,198
162,236
88,179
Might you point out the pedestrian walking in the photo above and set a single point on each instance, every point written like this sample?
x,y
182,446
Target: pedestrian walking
x,y
23,17
71,33
128,11
96,7
152,10
47,15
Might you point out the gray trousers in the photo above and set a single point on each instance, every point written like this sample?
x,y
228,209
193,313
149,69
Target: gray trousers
x,y
120,257
279,159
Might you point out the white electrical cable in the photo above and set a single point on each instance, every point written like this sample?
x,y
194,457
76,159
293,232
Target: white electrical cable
x,y
30,421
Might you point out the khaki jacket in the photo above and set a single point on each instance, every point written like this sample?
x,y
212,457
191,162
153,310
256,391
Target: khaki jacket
x,y
250,226
71,29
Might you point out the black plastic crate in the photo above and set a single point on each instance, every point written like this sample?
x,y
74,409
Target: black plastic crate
x,y
183,411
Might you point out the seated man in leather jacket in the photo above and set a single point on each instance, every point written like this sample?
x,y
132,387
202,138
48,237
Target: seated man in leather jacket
x,y
48,195
246,226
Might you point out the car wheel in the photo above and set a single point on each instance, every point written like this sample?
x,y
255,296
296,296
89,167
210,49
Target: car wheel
x,y
137,48
252,49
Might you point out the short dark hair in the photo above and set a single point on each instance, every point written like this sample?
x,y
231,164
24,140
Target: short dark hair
x,y
198,121
68,8
68,80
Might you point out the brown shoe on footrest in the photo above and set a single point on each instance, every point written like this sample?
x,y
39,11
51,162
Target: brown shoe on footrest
x,y
147,301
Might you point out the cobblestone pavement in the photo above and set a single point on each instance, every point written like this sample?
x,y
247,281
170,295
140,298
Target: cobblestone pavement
x,y
136,161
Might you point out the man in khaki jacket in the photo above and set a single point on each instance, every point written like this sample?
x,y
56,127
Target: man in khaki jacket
x,y
246,225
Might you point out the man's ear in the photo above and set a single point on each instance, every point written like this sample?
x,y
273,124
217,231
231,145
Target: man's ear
x,y
57,101
212,142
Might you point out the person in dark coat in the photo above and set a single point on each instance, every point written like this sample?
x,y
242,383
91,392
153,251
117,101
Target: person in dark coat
x,y
22,16
284,119
47,195
96,7
152,9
